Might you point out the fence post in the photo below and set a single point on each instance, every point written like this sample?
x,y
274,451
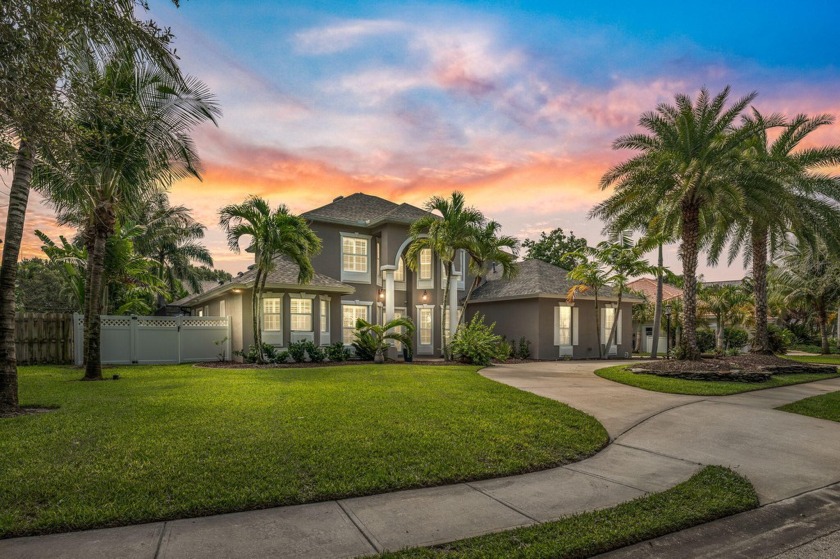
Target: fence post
x,y
228,353
78,339
179,321
134,338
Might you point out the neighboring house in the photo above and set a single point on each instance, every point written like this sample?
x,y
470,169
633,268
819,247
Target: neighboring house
x,y
179,306
360,273
647,287
533,304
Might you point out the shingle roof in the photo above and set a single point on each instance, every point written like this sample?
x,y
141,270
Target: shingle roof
x,y
648,287
364,209
533,278
284,274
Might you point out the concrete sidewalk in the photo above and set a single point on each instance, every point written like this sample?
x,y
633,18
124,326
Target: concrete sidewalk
x,y
782,454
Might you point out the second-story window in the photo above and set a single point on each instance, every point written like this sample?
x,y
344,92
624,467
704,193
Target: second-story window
x,y
399,274
355,255
424,270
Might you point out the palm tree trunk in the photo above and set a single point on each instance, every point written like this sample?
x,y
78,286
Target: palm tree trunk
x,y
104,221
444,305
255,312
822,317
761,342
719,332
657,313
614,329
639,339
598,326
18,200
462,313
690,236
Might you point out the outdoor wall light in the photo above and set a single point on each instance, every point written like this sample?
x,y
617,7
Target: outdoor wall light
x,y
381,295
425,296
237,291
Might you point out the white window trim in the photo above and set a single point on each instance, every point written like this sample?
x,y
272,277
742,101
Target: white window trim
x,y
368,304
324,335
460,264
605,332
273,337
403,312
377,242
355,277
566,350
425,349
311,310
426,283
446,322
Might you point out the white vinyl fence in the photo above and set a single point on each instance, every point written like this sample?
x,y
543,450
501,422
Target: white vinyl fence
x,y
147,340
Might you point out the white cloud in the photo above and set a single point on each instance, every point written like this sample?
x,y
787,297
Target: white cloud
x,y
336,38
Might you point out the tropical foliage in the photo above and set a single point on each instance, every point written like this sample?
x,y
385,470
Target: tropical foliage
x,y
272,233
373,340
476,343
557,248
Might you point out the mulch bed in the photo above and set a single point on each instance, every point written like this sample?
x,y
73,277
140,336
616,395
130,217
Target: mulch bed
x,y
312,365
741,368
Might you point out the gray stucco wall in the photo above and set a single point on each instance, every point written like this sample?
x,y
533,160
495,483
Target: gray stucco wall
x,y
534,319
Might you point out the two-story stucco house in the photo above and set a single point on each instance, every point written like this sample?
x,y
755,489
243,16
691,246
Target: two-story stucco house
x,y
360,273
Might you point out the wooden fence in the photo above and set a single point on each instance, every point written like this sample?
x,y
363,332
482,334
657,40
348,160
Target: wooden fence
x,y
44,338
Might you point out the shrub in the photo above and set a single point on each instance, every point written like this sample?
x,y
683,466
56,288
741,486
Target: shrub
x,y
523,348
735,338
305,348
780,338
337,352
705,340
365,345
251,356
476,343
282,357
504,351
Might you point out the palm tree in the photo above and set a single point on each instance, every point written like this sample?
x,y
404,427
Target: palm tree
x,y
591,277
379,334
39,40
642,314
488,248
272,233
684,174
783,192
125,156
171,237
454,229
809,276
729,304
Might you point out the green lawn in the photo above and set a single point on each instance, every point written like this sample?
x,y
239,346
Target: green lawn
x,y
712,493
622,374
825,406
177,441
827,359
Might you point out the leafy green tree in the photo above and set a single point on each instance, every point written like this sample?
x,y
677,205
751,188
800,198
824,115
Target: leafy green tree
x,y
809,276
171,238
591,277
455,228
273,233
39,41
783,191
137,121
684,175
399,330
557,248
42,287
489,248
729,304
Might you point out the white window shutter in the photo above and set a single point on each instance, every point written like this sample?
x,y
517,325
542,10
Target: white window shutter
x,y
575,322
556,325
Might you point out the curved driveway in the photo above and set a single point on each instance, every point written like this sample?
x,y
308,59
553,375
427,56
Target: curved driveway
x,y
782,454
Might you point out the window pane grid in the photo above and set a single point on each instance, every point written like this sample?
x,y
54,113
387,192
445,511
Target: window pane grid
x,y
565,326
426,264
272,308
355,255
425,326
301,315
325,317
349,315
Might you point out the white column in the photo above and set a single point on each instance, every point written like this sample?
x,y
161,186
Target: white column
x,y
453,303
389,292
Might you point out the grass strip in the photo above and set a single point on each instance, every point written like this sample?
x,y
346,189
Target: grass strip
x,y
825,406
622,374
712,493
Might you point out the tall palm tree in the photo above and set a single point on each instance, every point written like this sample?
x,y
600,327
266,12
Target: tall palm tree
x,y
127,154
490,248
38,41
809,276
172,239
684,172
783,192
454,229
272,233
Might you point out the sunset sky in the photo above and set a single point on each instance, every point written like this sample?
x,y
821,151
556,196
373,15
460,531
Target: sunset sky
x,y
514,103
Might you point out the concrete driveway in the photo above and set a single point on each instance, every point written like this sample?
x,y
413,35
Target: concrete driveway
x,y
782,454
